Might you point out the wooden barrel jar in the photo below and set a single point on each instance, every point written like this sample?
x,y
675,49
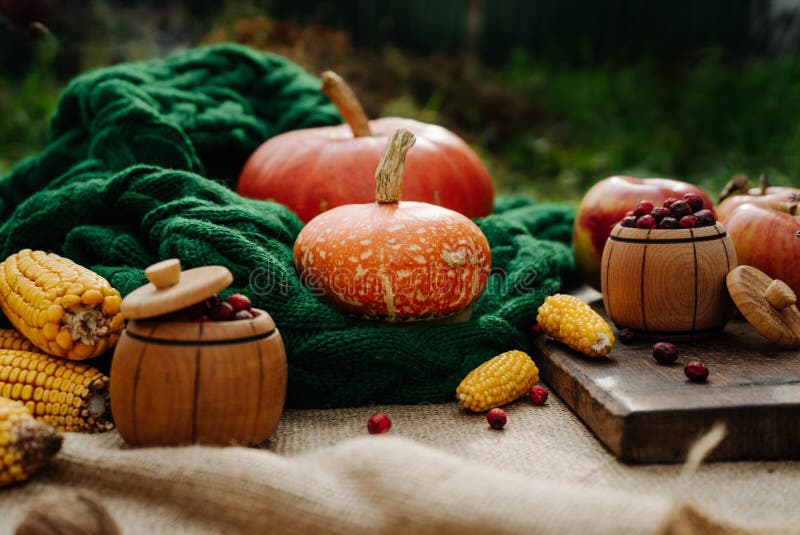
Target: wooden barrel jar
x,y
182,382
668,284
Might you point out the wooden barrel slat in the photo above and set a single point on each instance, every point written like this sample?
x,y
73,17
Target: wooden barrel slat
x,y
668,281
123,386
273,387
227,392
624,272
165,393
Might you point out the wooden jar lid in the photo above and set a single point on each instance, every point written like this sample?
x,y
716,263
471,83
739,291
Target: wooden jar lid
x,y
768,305
171,289
153,330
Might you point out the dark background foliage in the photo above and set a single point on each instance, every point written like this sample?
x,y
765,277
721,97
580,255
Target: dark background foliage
x,y
554,95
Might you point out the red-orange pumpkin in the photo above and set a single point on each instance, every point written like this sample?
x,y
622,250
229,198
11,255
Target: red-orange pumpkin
x,y
393,260
315,169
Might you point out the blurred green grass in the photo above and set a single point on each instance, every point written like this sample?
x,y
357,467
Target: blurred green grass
x,y
26,103
701,123
550,130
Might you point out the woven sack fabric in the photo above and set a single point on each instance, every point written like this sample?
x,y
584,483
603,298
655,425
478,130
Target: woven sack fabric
x,y
140,166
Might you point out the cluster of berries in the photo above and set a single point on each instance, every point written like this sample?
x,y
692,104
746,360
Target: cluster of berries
x,y
666,354
687,212
380,423
235,307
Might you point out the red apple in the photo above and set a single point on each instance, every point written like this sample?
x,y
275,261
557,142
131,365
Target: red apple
x,y
764,225
606,203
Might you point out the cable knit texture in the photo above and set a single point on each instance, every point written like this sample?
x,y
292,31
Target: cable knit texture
x,y
140,167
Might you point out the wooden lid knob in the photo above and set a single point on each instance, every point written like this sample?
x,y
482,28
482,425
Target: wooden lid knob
x,y
767,304
171,289
165,273
779,294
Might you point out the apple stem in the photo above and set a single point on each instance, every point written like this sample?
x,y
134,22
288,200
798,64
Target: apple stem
x,y
738,185
389,175
336,89
763,184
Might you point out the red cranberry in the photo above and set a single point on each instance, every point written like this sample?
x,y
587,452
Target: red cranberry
x,y
688,221
629,213
378,423
243,315
496,418
669,222
659,213
665,353
705,218
669,202
643,208
696,371
694,201
646,221
629,221
538,395
239,302
626,336
222,312
678,209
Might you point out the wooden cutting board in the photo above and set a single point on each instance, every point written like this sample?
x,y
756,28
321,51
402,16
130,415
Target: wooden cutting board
x,y
648,413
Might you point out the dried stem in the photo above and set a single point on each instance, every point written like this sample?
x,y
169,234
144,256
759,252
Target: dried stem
x,y
763,184
342,96
389,175
738,185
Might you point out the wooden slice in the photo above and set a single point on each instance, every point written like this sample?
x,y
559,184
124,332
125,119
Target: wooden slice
x,y
748,288
195,285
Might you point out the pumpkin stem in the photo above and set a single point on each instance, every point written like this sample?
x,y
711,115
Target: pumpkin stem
x,y
389,175
342,96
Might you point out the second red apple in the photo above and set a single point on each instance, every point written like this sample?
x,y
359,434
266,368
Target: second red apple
x,y
606,203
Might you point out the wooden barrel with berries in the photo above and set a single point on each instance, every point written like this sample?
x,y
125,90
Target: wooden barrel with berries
x,y
668,284
190,368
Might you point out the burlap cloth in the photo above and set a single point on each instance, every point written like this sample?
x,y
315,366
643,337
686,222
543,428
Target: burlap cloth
x,y
439,470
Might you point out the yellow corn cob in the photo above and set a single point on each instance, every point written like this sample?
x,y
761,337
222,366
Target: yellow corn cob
x,y
64,309
25,444
571,321
65,394
13,339
498,381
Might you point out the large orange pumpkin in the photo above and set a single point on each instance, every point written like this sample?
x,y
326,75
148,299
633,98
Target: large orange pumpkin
x,y
394,260
315,169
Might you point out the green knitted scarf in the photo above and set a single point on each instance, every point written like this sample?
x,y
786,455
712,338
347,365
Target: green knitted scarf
x,y
141,164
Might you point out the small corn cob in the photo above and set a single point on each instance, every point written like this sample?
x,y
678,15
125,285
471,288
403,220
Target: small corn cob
x,y
65,394
25,444
498,381
571,321
64,309
13,339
